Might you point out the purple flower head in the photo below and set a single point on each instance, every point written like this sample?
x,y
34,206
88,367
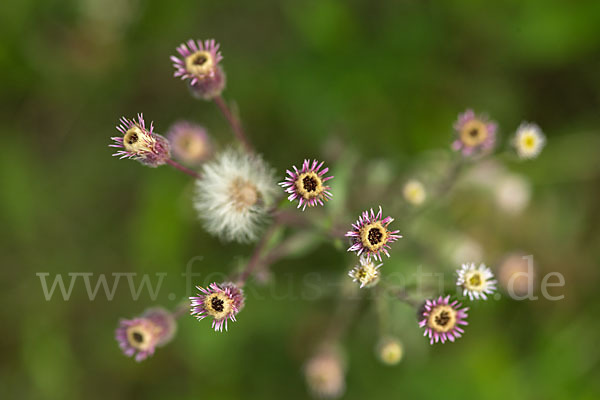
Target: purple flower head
x,y
140,143
141,335
222,302
370,235
307,185
199,63
190,142
474,133
442,319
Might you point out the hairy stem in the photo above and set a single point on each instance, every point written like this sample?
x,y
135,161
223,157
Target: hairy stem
x,y
235,123
183,169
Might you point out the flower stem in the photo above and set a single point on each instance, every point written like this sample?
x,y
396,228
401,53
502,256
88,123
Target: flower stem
x,y
183,169
255,258
235,123
182,309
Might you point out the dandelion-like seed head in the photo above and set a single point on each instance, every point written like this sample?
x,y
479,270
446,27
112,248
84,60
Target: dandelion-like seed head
x,y
140,336
370,235
442,319
221,302
474,133
366,273
324,375
140,143
234,195
390,350
414,192
307,185
199,64
190,143
476,282
529,140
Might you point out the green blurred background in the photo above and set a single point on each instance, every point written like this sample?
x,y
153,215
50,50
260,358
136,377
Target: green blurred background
x,y
379,80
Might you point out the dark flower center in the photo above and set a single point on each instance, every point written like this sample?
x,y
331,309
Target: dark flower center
x,y
200,59
133,138
443,318
375,236
474,132
310,183
138,337
217,304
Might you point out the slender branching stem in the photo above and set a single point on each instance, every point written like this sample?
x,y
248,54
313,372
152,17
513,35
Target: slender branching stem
x,y
235,123
183,169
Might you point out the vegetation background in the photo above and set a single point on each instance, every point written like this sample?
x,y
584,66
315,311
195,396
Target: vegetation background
x,y
382,79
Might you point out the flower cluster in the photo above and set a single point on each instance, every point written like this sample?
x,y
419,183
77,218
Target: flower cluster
x,y
236,196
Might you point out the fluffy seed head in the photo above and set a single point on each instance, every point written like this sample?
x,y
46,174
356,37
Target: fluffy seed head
x,y
529,140
476,282
475,134
140,336
307,185
442,319
370,235
190,142
366,273
140,143
234,195
221,302
414,192
199,63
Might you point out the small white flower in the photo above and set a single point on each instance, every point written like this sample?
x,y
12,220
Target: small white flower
x,y
234,195
366,273
512,193
414,192
476,282
529,140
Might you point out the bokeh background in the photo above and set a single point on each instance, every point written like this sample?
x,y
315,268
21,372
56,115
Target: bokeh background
x,y
371,86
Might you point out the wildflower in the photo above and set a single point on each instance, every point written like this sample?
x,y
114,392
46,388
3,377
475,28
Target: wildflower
x,y
475,133
529,140
141,144
366,273
476,282
199,63
441,319
307,185
141,335
324,374
222,302
371,236
414,192
234,195
390,350
190,142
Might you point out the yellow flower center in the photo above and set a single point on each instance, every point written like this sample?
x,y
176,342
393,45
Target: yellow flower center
x,y
140,336
528,142
474,280
374,236
137,140
218,305
442,318
474,133
244,194
309,185
192,147
200,63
